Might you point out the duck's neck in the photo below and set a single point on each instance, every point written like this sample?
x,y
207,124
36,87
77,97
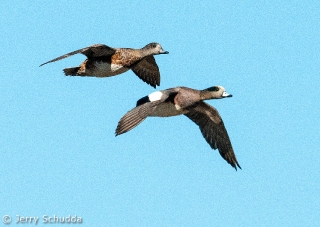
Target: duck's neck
x,y
205,95
145,52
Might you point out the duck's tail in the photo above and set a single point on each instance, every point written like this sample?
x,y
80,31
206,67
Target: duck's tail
x,y
71,71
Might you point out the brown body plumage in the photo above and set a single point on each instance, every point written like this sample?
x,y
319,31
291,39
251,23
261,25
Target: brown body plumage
x,y
104,61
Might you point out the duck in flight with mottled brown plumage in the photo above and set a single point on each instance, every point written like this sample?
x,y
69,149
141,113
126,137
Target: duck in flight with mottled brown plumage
x,y
105,61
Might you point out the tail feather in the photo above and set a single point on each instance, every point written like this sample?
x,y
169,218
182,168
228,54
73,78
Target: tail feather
x,y
71,71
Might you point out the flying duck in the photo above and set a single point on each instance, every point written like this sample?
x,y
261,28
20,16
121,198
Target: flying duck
x,y
190,102
105,61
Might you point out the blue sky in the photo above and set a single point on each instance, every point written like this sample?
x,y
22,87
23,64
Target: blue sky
x,y
59,155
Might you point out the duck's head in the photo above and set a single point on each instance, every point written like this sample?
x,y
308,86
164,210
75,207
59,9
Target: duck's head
x,y
155,48
215,92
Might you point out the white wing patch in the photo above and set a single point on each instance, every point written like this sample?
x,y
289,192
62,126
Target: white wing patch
x,y
155,96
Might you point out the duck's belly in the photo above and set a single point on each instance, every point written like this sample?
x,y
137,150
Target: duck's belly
x,y
167,110
104,69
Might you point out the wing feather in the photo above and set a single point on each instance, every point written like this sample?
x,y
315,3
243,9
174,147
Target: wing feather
x,y
135,116
148,71
213,130
96,50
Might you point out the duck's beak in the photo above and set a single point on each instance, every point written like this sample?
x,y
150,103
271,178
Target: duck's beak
x,y
163,52
226,95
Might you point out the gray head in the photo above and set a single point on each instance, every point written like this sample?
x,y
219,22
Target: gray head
x,y
215,92
155,48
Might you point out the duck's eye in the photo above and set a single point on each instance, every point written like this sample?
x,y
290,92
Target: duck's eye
x,y
154,45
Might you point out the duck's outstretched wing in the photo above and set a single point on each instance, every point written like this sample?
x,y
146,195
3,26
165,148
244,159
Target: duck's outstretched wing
x,y
96,50
213,130
148,71
145,106
135,116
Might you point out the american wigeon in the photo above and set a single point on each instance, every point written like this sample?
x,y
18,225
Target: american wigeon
x,y
190,102
105,61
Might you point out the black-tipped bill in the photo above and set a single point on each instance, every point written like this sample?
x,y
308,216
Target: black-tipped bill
x,y
164,52
226,95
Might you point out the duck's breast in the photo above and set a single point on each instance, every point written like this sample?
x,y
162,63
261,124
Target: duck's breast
x,y
167,109
105,69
